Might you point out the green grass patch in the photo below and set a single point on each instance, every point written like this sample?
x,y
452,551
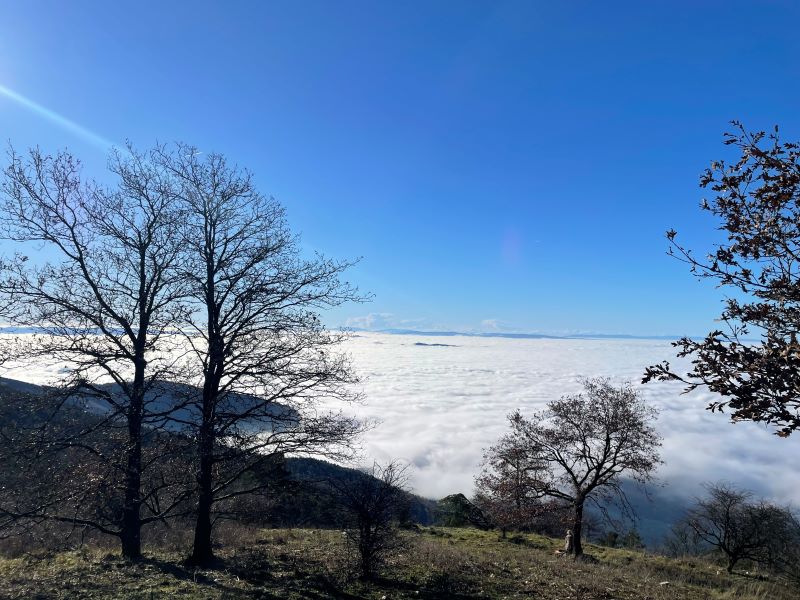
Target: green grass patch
x,y
432,563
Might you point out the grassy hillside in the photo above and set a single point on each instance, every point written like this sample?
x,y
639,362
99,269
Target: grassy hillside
x,y
435,563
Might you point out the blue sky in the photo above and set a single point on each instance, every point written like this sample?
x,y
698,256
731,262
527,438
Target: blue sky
x,y
498,165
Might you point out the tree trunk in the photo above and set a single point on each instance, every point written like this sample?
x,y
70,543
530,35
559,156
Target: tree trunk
x,y
731,562
131,527
577,524
130,534
202,553
365,548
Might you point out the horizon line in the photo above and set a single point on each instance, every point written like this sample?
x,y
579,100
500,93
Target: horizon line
x,y
513,335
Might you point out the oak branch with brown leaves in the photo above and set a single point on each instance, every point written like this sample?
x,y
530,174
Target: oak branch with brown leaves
x,y
757,202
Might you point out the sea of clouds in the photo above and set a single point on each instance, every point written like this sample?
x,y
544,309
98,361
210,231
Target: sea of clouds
x,y
440,406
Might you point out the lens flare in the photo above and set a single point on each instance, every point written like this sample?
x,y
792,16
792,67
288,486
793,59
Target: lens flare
x,y
56,118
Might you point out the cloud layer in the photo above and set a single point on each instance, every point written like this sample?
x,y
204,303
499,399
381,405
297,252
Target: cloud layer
x,y
440,406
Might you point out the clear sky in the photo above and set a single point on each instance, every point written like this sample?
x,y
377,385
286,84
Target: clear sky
x,y
498,165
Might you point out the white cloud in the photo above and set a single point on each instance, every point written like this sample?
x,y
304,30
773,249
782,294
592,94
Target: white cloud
x,y
385,320
440,406
372,321
492,325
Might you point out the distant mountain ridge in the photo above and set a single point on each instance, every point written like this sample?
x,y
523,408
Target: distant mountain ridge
x,y
180,400
439,333
520,336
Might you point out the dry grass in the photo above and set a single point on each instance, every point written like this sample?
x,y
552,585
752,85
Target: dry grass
x,y
435,563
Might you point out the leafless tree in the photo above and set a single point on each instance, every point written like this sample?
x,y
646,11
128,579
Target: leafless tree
x,y
105,304
506,486
579,448
784,552
681,541
732,521
375,501
264,359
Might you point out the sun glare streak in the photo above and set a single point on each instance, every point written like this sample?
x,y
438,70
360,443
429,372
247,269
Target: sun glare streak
x,y
56,118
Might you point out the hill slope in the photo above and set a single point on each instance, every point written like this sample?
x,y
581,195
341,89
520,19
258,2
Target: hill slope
x,y
435,563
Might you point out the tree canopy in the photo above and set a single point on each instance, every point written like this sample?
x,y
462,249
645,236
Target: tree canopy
x,y
188,320
578,448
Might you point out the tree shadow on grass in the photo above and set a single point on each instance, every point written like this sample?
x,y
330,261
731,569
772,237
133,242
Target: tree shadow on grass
x,y
259,574
259,571
435,588
276,579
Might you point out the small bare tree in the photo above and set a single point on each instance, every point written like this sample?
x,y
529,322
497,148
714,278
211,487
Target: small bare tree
x,y
733,522
506,488
579,448
105,304
785,548
681,541
375,501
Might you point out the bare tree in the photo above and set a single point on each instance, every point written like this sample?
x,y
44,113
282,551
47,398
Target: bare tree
x,y
579,448
757,202
681,541
264,357
375,501
506,486
784,549
105,305
732,521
